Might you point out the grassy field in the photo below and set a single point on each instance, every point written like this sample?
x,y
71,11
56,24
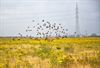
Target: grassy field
x,y
58,53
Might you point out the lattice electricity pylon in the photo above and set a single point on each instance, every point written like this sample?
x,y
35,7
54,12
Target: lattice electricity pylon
x,y
77,31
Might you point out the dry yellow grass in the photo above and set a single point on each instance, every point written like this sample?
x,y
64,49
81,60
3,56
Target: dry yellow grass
x,y
59,53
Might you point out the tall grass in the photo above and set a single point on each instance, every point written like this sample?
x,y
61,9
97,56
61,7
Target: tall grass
x,y
59,53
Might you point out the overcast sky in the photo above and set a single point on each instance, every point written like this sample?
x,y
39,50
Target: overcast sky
x,y
16,15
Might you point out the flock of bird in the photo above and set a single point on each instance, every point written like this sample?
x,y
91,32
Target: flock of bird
x,y
47,29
